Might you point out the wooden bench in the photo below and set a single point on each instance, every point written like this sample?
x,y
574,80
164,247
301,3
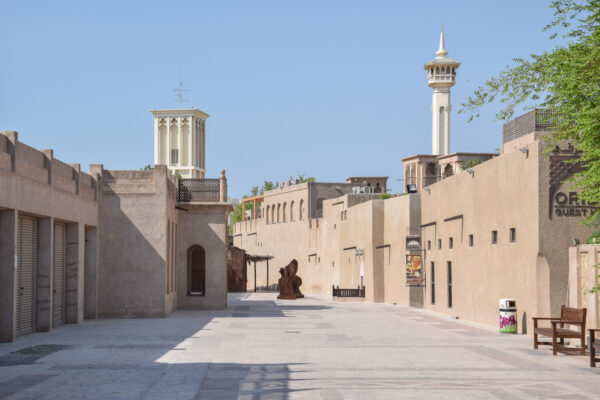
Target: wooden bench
x,y
568,316
594,344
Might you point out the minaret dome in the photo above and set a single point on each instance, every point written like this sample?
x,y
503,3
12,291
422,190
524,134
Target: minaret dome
x,y
441,76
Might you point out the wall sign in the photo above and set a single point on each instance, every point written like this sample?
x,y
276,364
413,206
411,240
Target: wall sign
x,y
414,273
413,242
566,204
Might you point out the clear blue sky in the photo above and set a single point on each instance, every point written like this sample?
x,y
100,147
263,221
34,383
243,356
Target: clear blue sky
x,y
325,88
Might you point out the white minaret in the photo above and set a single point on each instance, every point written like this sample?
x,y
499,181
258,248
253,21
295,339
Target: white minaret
x,y
180,141
441,75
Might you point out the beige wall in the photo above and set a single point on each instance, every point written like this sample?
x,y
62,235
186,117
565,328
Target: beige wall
x,y
36,184
501,194
510,191
134,212
204,225
355,230
583,276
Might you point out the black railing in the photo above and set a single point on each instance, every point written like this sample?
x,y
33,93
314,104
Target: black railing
x,y
270,289
198,190
359,292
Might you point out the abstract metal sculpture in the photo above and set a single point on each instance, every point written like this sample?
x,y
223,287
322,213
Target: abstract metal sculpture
x,y
289,283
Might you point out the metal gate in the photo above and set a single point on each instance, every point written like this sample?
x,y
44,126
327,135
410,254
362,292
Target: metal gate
x,y
60,274
27,268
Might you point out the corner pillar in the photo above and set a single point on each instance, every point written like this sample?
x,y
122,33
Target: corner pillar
x,y
91,274
45,281
8,275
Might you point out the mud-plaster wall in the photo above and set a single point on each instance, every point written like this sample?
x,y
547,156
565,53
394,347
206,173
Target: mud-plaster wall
x,y
133,221
204,225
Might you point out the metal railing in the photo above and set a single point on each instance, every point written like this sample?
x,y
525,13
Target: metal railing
x,y
269,289
359,292
199,190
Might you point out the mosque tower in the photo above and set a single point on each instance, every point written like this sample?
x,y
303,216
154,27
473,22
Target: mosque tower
x,y
441,76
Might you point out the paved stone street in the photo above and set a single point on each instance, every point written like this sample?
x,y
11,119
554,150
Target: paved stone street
x,y
313,348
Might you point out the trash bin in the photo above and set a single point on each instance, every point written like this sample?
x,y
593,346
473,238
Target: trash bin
x,y
508,316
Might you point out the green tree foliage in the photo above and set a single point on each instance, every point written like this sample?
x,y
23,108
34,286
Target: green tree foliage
x,y
566,80
466,164
147,167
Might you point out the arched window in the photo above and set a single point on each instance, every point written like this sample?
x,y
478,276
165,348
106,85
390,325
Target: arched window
x,y
278,213
196,271
300,209
448,171
273,214
437,70
268,214
292,211
284,214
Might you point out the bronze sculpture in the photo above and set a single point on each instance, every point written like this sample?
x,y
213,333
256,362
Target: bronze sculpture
x,y
289,283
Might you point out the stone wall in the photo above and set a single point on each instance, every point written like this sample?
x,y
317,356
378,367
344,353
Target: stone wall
x,y
582,277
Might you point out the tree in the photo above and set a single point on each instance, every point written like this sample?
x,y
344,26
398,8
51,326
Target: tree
x,y
466,164
147,167
565,80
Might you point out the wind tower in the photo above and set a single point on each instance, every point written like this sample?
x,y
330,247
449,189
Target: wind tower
x,y
441,76
180,141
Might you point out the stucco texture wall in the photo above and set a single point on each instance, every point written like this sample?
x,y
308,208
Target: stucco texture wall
x,y
501,194
203,225
133,218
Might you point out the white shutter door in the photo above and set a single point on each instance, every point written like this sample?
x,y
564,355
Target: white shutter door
x,y
26,274
60,274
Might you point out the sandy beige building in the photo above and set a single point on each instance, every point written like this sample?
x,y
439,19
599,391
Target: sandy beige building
x,y
111,243
498,229
471,228
48,240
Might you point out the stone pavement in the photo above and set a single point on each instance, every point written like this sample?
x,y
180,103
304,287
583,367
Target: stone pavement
x,y
313,348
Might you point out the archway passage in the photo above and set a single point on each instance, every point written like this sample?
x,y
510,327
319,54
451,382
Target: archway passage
x,y
196,271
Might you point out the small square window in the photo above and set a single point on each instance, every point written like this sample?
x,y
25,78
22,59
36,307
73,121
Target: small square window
x,y
429,245
471,240
439,244
494,237
451,243
513,235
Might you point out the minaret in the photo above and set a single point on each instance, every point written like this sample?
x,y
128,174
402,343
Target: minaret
x,y
441,75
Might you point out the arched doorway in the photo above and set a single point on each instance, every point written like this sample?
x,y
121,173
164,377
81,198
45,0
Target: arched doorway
x,y
196,271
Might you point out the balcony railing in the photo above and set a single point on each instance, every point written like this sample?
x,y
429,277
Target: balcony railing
x,y
199,190
359,292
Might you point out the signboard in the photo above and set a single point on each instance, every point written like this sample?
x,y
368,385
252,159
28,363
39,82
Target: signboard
x,y
563,200
414,272
413,242
566,204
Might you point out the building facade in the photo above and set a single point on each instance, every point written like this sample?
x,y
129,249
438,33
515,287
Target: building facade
x,y
108,243
471,228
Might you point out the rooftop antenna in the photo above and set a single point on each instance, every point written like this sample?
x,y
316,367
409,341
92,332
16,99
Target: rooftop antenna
x,y
179,94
